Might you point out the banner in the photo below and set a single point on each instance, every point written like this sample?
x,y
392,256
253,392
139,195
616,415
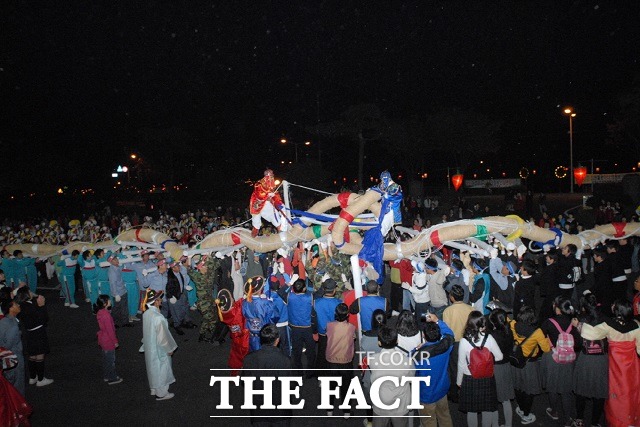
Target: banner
x,y
605,178
492,183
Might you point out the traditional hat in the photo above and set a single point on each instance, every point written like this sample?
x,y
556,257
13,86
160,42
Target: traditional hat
x,y
144,252
225,300
254,284
151,296
175,263
161,262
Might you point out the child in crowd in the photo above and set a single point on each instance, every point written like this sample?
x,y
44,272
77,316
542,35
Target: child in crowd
x,y
107,339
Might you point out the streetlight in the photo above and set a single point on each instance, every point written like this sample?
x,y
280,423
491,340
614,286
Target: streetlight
x,y
295,145
569,112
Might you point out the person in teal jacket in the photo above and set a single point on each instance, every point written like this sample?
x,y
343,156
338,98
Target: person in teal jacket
x,y
130,279
8,266
32,276
68,281
191,294
89,270
102,273
21,266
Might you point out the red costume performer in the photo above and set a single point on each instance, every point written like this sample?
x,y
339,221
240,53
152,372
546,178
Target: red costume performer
x,y
234,319
266,203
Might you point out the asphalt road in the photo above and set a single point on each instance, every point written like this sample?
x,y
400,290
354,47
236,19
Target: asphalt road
x,y
80,397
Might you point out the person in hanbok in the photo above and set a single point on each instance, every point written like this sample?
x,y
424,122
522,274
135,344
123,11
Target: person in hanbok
x,y
256,309
14,409
159,346
230,313
623,335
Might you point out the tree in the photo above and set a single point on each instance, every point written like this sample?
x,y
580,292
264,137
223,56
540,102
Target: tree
x,y
624,132
362,123
464,133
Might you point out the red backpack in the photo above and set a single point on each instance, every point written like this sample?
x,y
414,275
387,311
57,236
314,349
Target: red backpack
x,y
480,360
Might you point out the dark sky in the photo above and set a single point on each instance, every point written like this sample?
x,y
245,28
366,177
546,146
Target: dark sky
x,y
78,80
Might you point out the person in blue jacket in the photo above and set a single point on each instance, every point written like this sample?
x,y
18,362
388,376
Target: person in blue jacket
x,y
280,317
300,306
432,360
256,309
368,304
145,265
325,308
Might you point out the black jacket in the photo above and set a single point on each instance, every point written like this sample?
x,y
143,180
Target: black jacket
x,y
268,357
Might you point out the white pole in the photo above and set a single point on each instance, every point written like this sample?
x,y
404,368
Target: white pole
x,y
357,287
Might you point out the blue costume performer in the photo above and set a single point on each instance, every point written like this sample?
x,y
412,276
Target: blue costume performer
x,y
390,214
257,310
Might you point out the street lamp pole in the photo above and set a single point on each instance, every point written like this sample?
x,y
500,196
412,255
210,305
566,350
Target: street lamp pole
x,y
569,111
284,140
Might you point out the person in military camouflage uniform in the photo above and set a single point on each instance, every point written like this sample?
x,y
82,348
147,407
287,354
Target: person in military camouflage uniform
x,y
339,269
332,263
316,266
205,276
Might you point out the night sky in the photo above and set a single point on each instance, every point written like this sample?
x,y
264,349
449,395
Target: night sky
x,y
84,84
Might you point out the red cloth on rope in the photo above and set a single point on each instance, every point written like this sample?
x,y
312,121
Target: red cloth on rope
x,y
619,226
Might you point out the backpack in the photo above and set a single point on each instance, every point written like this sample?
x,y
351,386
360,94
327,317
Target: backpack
x,y
576,274
563,351
594,347
517,357
480,360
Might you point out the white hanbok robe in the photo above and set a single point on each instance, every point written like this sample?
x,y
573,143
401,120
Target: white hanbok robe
x,y
158,343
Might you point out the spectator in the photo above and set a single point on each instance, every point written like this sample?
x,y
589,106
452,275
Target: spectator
x,y
456,317
434,355
477,395
391,363
340,350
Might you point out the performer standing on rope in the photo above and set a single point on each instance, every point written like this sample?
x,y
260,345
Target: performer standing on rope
x,y
266,203
390,214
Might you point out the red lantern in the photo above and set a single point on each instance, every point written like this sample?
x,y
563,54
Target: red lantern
x,y
456,180
579,174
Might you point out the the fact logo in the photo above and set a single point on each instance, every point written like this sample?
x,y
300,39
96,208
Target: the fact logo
x,y
329,386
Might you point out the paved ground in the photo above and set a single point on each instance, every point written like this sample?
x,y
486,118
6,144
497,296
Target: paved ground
x,y
80,397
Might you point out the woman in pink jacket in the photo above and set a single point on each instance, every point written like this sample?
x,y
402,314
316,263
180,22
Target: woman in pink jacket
x,y
107,339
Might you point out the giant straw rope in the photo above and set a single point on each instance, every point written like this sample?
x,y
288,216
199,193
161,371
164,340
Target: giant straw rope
x,y
352,205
